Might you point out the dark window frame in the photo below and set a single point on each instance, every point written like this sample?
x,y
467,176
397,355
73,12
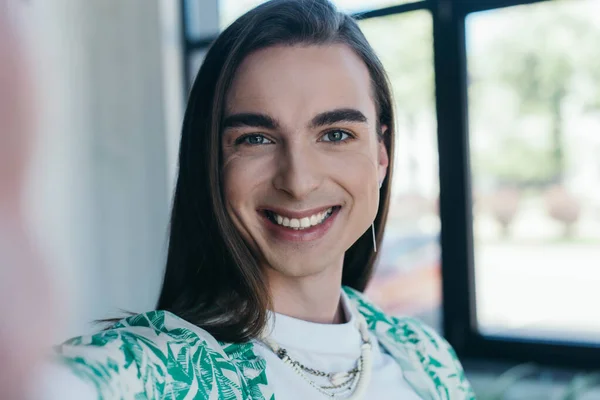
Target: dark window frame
x,y
450,66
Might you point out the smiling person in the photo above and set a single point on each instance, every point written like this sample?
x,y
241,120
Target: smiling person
x,y
280,203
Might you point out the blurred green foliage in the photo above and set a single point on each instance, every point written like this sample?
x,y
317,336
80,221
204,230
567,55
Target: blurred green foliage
x,y
545,57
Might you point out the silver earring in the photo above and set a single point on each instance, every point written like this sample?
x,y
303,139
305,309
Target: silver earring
x,y
374,240
373,227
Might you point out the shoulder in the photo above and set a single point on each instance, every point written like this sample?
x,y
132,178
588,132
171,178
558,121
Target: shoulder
x,y
153,333
154,354
417,346
401,329
412,330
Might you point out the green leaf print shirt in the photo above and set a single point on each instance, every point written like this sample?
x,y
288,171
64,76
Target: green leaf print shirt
x,y
157,355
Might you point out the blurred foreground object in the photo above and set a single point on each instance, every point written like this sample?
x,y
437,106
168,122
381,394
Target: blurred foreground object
x,y
25,301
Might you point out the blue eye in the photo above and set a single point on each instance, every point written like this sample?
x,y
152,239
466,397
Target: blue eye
x,y
253,140
335,136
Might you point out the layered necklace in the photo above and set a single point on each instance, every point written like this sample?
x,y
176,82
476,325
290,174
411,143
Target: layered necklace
x,y
340,384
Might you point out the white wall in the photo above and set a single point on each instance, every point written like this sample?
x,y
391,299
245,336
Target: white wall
x,y
111,109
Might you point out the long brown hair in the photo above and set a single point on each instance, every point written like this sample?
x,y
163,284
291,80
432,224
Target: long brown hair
x,y
212,279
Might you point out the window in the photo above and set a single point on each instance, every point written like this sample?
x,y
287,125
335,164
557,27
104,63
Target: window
x,y
407,280
534,107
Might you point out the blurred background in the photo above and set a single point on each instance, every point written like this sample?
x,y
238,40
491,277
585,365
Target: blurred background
x,y
114,76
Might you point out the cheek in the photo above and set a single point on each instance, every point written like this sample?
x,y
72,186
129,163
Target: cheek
x,y
242,178
357,173
363,176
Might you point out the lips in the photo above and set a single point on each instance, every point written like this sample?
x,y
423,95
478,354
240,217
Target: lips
x,y
299,223
300,220
305,226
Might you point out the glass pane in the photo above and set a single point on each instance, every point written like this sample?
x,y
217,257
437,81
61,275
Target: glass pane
x,y
407,280
534,105
231,9
201,18
192,12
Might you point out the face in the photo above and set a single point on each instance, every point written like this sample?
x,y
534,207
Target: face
x,y
302,160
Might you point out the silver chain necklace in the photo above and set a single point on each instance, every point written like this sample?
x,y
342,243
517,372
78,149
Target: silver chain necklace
x,y
357,379
337,380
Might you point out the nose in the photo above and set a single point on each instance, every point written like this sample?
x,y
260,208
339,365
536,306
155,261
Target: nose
x,y
298,172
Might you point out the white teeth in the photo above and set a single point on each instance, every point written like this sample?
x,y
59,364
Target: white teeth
x,y
303,223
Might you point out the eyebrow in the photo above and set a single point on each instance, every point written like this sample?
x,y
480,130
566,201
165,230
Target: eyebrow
x,y
335,116
257,120
251,120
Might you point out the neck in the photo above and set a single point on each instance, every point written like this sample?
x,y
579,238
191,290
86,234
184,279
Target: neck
x,y
311,298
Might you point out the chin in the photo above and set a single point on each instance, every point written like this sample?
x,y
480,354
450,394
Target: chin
x,y
303,264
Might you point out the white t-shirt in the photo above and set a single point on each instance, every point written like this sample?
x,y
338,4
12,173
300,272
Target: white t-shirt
x,y
327,348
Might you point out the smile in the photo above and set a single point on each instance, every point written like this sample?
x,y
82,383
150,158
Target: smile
x,y
300,223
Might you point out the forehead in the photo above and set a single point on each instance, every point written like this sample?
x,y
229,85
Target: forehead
x,y
300,81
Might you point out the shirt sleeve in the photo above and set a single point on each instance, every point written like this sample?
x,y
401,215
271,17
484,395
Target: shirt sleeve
x,y
109,364
141,358
56,381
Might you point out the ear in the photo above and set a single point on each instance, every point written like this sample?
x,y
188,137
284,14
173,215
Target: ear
x,y
382,156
